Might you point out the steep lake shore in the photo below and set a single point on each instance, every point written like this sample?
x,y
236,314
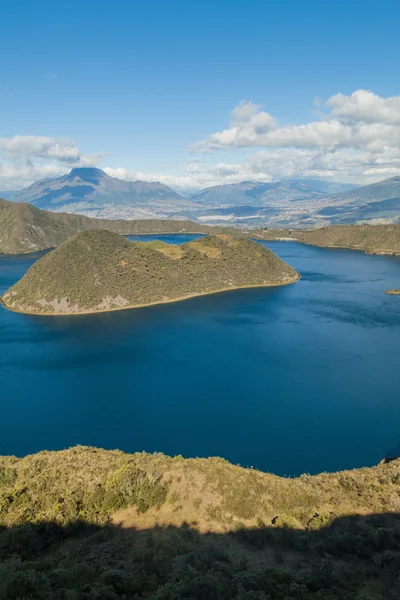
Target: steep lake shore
x,y
232,374
98,271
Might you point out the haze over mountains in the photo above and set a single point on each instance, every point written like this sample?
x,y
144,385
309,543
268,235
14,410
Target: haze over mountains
x,y
255,193
91,192
287,203
327,187
7,194
26,228
294,204
377,200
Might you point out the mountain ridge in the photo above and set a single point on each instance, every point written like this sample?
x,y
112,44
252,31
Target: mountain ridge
x,y
26,228
260,193
277,208
288,202
90,191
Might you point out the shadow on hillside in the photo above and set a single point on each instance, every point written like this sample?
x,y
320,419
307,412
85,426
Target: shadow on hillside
x,y
351,557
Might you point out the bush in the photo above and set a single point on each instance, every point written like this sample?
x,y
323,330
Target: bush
x,y
130,485
7,476
24,584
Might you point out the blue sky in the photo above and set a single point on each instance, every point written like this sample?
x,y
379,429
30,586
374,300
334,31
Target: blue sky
x,y
139,87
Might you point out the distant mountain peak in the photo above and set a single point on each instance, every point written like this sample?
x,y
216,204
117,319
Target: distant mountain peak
x,y
89,174
90,191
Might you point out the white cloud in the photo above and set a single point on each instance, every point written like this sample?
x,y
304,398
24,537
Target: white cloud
x,y
351,138
30,146
365,106
362,120
355,138
278,163
27,158
196,176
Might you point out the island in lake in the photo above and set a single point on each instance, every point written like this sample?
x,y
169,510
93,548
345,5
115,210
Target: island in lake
x,y
98,270
25,228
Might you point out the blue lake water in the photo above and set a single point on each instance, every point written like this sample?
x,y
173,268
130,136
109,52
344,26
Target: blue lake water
x,y
302,378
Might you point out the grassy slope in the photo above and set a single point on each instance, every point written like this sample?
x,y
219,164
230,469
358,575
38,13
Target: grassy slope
x,y
373,239
24,228
87,523
97,270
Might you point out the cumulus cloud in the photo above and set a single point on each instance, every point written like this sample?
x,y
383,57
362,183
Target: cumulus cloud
x,y
355,138
360,120
351,138
365,106
280,163
29,147
196,175
27,158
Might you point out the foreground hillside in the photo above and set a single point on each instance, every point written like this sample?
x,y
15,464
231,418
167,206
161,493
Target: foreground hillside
x,y
373,239
99,270
92,524
25,228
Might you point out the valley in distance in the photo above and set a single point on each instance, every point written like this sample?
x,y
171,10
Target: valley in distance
x,y
26,228
91,524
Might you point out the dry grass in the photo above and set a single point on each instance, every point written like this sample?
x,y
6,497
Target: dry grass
x,y
60,485
25,228
169,250
100,270
372,239
90,524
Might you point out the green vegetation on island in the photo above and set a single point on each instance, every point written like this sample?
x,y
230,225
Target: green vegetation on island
x,y
90,524
25,228
98,270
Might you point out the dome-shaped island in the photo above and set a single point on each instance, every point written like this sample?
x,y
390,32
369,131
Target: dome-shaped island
x,y
98,270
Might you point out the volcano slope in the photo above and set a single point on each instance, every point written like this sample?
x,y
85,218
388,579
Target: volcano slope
x,y
99,270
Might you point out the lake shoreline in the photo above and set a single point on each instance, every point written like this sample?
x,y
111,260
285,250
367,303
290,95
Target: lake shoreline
x,y
332,247
248,359
377,253
246,233
158,302
126,235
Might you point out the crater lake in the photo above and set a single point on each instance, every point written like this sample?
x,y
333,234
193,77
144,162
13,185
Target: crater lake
x,y
295,379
